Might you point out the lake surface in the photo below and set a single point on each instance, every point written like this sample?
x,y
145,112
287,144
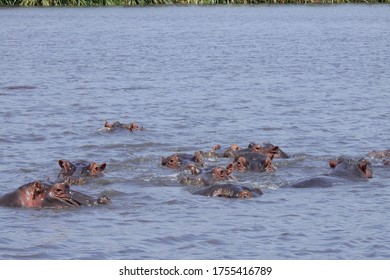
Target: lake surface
x,y
313,80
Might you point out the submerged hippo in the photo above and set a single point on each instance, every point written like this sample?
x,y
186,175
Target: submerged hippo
x,y
343,171
279,152
229,191
78,172
48,195
384,154
182,160
213,153
253,162
208,177
118,125
230,151
254,148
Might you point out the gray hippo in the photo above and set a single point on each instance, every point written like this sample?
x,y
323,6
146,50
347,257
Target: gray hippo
x,y
48,195
77,172
229,191
343,171
252,162
182,160
118,125
279,152
253,148
208,177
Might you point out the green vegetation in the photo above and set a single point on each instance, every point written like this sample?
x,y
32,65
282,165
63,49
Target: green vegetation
x,y
172,2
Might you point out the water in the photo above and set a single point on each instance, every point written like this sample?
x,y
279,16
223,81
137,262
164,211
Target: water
x,y
313,80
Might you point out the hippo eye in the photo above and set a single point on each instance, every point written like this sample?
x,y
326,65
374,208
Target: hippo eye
x,y
59,191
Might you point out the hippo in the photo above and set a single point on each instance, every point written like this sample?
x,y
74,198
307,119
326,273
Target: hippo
x,y
230,151
78,172
252,162
213,153
343,171
279,152
208,177
48,195
253,148
384,154
229,191
118,125
182,160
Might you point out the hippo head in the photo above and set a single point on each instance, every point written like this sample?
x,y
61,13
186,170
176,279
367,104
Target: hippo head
x,y
134,126
198,157
95,169
245,194
220,174
241,164
357,169
193,169
108,125
270,151
229,190
67,168
230,151
59,195
172,161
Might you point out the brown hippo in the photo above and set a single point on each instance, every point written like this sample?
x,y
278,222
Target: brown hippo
x,y
182,160
253,162
48,195
78,172
118,125
208,177
229,191
343,171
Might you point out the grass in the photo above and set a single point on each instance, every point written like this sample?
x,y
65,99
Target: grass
x,y
171,2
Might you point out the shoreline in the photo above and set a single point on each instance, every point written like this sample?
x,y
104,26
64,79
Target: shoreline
x,y
135,3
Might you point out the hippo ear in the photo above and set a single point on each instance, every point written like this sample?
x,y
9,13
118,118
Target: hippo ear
x,y
234,147
268,165
38,188
198,157
229,168
64,164
216,147
364,167
332,163
274,149
251,144
103,166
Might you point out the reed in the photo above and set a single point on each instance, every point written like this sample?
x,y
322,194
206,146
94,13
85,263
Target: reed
x,y
172,2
